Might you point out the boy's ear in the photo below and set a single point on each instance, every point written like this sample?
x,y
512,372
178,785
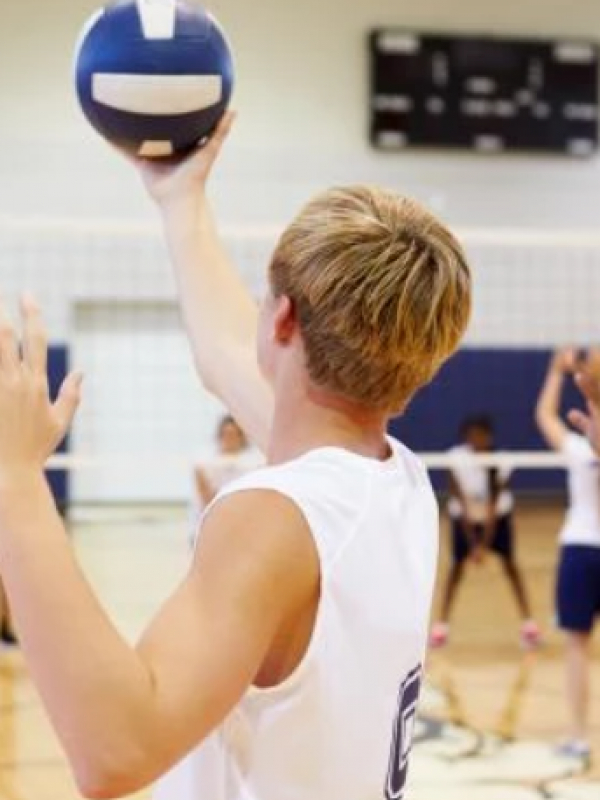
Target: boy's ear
x,y
285,320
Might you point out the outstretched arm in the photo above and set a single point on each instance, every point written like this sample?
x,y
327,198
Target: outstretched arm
x,y
219,314
125,716
547,412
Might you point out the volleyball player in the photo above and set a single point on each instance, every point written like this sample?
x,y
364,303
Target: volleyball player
x,y
233,459
578,580
288,662
481,514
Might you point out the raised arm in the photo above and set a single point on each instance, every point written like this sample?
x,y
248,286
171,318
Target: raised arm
x,y
547,412
219,314
124,716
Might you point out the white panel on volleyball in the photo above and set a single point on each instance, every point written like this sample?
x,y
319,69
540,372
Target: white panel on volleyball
x,y
158,18
145,417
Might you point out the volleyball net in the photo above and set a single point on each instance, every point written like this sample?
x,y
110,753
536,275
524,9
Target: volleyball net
x,y
110,303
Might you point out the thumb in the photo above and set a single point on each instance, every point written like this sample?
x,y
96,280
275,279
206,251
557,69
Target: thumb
x,y
580,421
68,400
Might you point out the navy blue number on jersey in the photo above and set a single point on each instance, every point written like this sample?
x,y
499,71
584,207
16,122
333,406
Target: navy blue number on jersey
x,y
403,731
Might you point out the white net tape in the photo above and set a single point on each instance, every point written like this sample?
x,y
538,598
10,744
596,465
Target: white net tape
x,y
504,460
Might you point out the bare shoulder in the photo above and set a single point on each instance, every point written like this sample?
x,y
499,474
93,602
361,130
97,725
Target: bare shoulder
x,y
259,540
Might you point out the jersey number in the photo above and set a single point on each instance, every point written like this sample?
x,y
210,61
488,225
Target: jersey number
x,y
402,738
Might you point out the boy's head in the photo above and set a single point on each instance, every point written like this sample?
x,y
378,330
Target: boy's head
x,y
478,432
230,436
380,292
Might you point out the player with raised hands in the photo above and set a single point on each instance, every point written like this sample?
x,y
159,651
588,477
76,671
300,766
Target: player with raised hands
x,y
289,660
578,580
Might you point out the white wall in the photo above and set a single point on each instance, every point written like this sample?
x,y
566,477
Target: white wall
x,y
302,97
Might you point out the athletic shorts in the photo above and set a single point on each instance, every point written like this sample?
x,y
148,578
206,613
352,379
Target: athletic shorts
x,y
578,588
501,543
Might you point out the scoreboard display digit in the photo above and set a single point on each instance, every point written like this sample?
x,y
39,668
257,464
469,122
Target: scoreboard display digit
x,y
487,94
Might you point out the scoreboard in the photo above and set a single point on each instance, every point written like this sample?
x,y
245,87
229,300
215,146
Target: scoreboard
x,y
483,93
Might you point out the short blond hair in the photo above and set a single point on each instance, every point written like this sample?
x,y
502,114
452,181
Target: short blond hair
x,y
382,291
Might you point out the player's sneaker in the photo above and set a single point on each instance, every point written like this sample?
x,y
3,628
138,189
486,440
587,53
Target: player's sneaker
x,y
439,635
531,636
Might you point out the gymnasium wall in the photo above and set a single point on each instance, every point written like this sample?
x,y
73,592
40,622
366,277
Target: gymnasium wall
x,y
501,384
302,101
76,227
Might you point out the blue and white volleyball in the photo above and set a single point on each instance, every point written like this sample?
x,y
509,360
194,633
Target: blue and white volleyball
x,y
153,76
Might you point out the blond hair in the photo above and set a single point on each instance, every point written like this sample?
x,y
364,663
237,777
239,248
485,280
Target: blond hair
x,y
382,291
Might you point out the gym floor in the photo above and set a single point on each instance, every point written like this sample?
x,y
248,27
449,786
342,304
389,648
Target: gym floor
x,y
490,715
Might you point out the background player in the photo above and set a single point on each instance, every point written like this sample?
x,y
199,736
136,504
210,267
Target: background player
x,y
481,514
578,580
306,606
233,459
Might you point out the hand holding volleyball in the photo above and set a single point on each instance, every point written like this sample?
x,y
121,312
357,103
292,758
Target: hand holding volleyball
x,y
168,181
153,77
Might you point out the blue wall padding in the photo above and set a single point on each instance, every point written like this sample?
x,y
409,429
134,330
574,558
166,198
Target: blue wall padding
x,y
503,384
58,365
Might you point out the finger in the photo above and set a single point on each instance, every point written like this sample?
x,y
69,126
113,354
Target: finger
x,y
9,347
225,125
35,340
570,359
68,400
580,421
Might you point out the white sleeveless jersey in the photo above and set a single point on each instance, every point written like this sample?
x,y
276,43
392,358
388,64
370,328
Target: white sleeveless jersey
x,y
225,468
340,727
582,522
474,481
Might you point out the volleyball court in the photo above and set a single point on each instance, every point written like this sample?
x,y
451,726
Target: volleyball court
x,y
493,711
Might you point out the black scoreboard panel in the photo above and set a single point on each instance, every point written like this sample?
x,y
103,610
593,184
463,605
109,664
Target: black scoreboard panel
x,y
488,94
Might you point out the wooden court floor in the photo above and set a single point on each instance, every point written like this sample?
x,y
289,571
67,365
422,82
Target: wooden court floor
x,y
490,715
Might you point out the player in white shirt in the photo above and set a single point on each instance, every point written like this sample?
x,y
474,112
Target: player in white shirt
x,y
234,457
481,514
578,580
287,664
